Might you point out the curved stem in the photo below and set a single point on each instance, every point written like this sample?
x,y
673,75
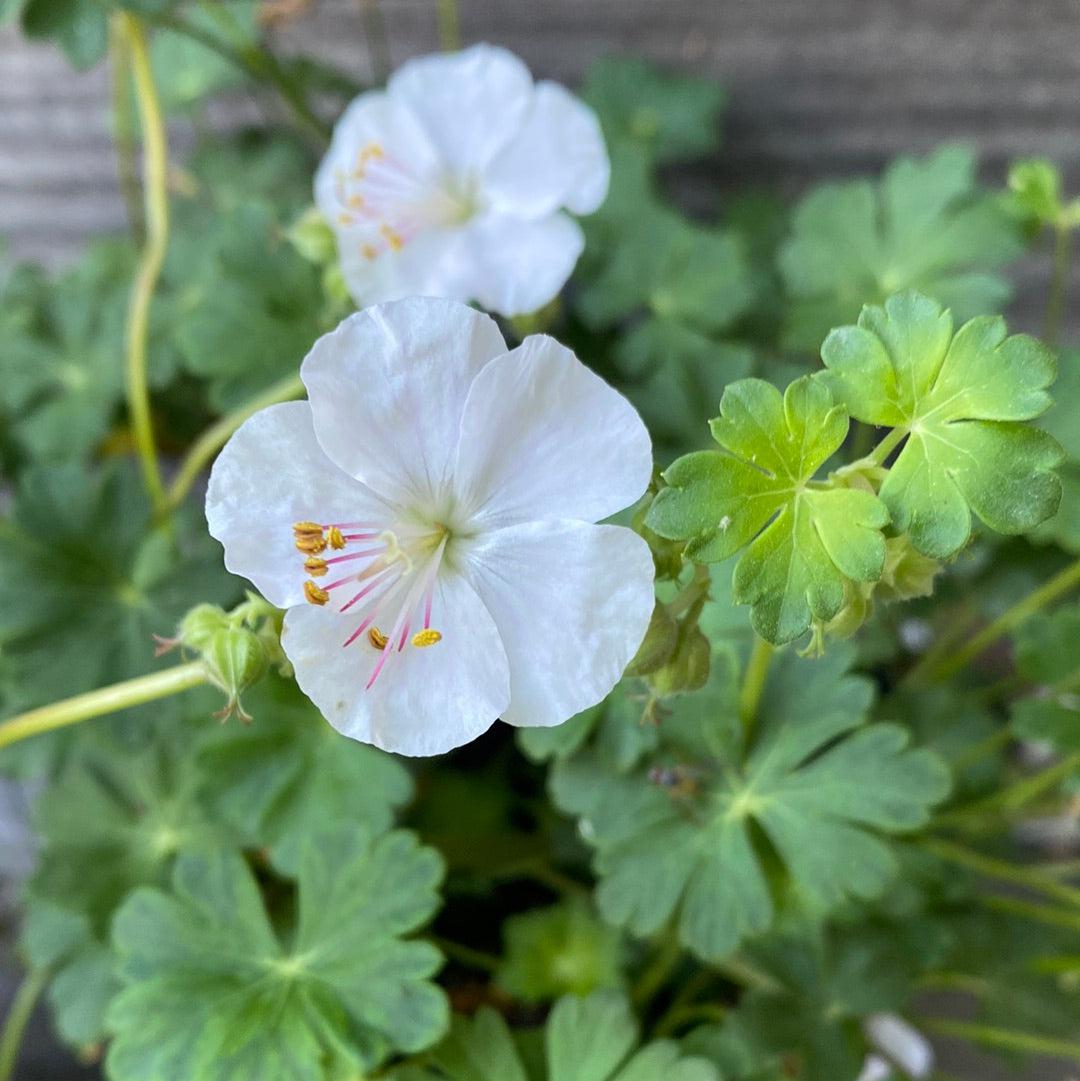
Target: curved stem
x,y
449,27
1005,1039
132,692
1059,283
215,437
887,445
123,121
1050,915
753,685
155,169
1009,620
466,955
22,1008
657,972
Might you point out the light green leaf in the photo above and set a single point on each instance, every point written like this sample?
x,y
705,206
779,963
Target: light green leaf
x,y
281,779
1046,656
925,225
79,27
1062,421
960,398
206,971
674,838
805,541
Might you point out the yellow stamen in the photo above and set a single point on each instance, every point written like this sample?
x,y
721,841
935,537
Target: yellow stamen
x,y
314,594
311,545
345,219
307,529
392,238
315,567
426,638
356,202
377,638
369,251
337,540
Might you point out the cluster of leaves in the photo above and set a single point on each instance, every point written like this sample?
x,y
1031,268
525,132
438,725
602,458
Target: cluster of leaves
x,y
241,901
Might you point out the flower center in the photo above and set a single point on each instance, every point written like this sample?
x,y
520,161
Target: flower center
x,y
383,578
388,201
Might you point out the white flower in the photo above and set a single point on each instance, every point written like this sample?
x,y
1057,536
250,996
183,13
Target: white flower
x,y
452,182
427,520
903,1045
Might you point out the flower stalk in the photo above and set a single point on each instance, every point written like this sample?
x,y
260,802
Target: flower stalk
x,y
753,685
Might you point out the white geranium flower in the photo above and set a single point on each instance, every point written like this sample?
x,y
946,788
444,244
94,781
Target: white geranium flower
x,y
452,183
427,519
903,1046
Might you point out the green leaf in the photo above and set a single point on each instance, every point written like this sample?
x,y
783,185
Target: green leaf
x,y
213,990
559,950
79,27
585,1039
666,116
960,399
676,837
1062,421
281,779
925,226
84,585
805,541
1046,656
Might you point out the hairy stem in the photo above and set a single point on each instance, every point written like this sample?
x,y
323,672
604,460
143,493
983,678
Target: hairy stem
x,y
132,692
1009,620
449,27
22,1008
1005,1039
1059,285
155,174
215,437
753,685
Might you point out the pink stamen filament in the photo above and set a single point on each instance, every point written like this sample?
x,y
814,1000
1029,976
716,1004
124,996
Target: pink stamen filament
x,y
353,555
378,580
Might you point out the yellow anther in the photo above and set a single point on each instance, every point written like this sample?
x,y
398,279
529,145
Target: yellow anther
x,y
314,594
356,202
392,238
304,529
377,638
369,251
315,567
345,219
426,637
310,544
336,537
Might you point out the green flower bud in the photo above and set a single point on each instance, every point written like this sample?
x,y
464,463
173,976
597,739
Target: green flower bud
x,y
196,629
658,644
312,237
235,658
1036,188
688,668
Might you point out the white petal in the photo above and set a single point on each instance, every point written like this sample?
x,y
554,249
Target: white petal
x,y
471,103
544,437
904,1044
557,159
270,474
519,265
374,117
388,388
875,1068
425,701
571,602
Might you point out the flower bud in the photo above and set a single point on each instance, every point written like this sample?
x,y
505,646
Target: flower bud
x,y
196,629
688,668
657,646
235,658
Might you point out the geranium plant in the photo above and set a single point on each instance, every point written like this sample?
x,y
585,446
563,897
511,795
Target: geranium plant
x,y
463,620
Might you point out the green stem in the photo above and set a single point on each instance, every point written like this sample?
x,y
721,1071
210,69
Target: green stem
x,y
1009,620
123,118
944,644
753,685
695,1012
657,972
132,692
259,64
155,176
1000,870
377,42
1005,1039
1059,284
1048,915
697,589
22,1009
449,27
215,437
882,451
466,955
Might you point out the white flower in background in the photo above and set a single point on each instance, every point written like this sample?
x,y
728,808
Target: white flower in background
x,y
901,1045
452,183
426,517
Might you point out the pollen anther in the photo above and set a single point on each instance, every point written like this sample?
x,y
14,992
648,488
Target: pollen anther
x,y
314,594
315,567
312,545
337,540
426,637
377,638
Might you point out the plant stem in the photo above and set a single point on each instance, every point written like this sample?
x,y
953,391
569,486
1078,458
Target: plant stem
x,y
449,27
466,955
657,972
753,684
132,692
22,1009
882,451
1009,620
1036,913
261,65
377,42
1059,284
1000,870
155,173
123,119
1005,1039
214,438
677,1018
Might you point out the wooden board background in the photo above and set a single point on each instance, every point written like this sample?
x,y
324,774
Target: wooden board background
x,y
818,88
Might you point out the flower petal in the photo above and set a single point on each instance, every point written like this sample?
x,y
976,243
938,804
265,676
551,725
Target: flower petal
x,y
270,474
519,265
544,437
388,388
557,159
424,701
471,103
572,603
